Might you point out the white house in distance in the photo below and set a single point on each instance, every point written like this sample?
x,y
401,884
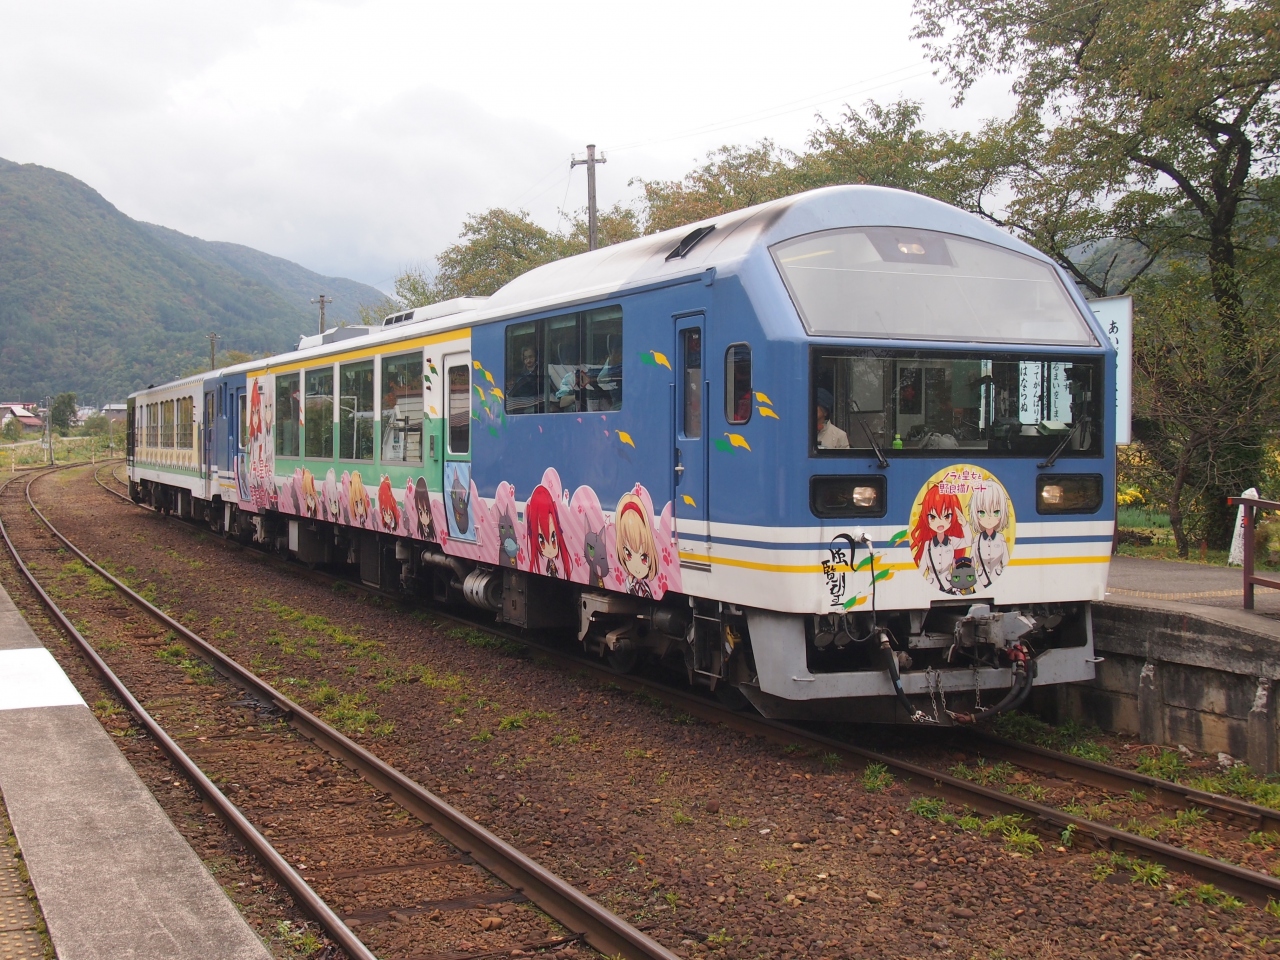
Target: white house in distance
x,y
115,412
24,413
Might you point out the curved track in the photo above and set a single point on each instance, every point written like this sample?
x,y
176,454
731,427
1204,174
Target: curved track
x,y
1249,884
577,912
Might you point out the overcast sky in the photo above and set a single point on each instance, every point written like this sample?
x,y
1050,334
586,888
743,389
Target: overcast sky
x,y
354,137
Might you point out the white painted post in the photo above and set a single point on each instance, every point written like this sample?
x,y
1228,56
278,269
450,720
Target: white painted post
x,y
1236,557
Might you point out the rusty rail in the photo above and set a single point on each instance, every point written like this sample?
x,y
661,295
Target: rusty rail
x,y
1251,506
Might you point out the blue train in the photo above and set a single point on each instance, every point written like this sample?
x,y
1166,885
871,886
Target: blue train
x,y
849,454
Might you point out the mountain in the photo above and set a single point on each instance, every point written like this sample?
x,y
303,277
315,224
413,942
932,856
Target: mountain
x,y
95,302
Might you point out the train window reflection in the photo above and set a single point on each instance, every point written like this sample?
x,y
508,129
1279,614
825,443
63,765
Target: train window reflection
x,y
459,408
897,283
737,383
318,413
288,412
905,403
355,411
402,409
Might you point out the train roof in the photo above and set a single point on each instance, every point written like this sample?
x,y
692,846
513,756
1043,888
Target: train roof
x,y
719,243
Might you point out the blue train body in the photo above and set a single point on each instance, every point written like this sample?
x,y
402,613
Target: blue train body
x,y
848,454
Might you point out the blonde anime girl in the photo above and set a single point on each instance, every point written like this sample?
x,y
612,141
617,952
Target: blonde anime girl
x,y
989,517
636,550
361,507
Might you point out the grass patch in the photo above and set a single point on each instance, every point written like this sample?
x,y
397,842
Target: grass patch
x,y
1073,738
984,773
928,807
876,777
1167,765
350,713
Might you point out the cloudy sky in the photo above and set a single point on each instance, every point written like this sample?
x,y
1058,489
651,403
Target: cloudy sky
x,y
354,137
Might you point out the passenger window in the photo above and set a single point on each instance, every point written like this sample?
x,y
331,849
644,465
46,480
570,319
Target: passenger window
x,y
185,417
526,381
244,422
691,364
355,411
287,415
602,354
402,409
737,383
318,413
460,409
566,364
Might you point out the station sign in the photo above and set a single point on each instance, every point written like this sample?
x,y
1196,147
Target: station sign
x,y
1116,316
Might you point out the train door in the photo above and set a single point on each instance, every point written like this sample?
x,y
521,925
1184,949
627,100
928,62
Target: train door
x,y
130,411
207,429
459,509
691,389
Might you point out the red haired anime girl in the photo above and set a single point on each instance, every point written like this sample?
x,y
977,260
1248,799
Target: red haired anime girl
x,y
387,509
938,535
546,542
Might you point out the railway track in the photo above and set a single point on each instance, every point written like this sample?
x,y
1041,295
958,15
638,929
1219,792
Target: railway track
x,y
928,778
376,868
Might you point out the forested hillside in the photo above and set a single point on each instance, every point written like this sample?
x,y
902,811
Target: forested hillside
x,y
95,302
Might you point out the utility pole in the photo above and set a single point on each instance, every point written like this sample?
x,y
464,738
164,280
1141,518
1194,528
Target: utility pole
x,y
48,426
213,339
322,301
593,231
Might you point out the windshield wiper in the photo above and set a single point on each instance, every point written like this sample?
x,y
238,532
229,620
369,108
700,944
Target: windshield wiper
x,y
870,438
1049,460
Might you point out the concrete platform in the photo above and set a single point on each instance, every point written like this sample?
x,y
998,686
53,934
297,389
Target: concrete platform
x,y
114,878
1134,579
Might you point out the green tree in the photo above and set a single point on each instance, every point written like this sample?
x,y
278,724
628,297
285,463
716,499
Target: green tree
x,y
96,425
12,430
1144,130
63,411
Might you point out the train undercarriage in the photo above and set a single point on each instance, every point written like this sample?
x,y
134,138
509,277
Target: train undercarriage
x,y
953,663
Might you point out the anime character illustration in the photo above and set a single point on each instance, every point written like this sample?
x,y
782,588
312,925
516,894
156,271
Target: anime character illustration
x,y
939,535
333,496
989,514
261,459
310,499
388,510
546,538
460,500
636,550
361,508
423,523
508,542
594,552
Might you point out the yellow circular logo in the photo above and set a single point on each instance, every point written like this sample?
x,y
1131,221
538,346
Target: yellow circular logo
x,y
962,529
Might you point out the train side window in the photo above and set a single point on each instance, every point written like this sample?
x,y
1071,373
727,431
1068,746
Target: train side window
x,y
186,413
459,408
526,378
166,424
737,383
566,364
355,411
601,380
318,413
243,429
402,408
287,414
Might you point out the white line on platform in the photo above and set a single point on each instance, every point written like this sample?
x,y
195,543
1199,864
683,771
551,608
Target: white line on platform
x,y
30,677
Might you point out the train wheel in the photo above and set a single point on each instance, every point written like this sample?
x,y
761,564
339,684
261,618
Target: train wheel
x,y
731,697
623,658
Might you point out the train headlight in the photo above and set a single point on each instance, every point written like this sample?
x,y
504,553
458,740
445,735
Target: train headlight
x,y
1069,493
847,496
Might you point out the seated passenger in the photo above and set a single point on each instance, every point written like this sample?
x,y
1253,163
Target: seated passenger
x,y
609,379
830,437
525,394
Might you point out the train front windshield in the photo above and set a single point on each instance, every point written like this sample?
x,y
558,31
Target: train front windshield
x,y
917,402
